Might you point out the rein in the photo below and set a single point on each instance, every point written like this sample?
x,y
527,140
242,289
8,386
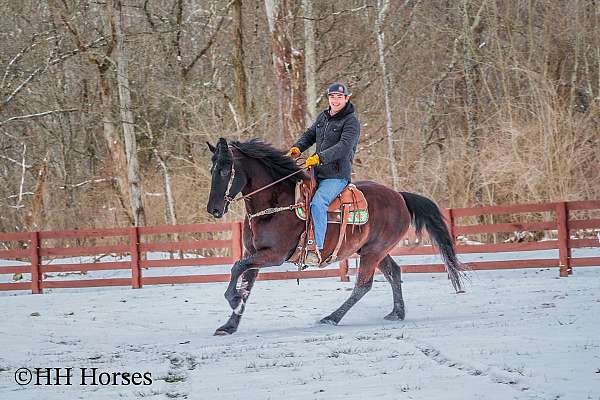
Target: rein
x,y
231,199
271,210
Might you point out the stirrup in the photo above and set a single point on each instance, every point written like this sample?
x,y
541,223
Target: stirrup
x,y
313,258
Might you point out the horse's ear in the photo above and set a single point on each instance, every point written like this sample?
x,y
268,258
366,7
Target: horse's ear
x,y
211,148
222,141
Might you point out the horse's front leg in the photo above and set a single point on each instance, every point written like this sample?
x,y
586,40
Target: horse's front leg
x,y
237,290
247,282
236,294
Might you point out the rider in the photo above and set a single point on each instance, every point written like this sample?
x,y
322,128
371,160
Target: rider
x,y
336,132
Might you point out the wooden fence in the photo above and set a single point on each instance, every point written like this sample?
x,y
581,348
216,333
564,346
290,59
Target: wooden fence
x,y
135,243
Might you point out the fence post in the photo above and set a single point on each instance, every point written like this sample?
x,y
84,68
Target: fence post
x,y
564,252
36,276
449,215
237,244
344,271
134,250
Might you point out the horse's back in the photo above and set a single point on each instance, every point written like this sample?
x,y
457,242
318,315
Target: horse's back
x,y
388,214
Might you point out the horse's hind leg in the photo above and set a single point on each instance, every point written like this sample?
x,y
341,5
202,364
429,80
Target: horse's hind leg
x,y
364,282
247,282
391,272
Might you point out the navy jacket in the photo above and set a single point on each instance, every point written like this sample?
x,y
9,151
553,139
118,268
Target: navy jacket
x,y
336,138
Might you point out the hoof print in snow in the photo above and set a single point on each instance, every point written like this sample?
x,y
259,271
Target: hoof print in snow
x,y
173,377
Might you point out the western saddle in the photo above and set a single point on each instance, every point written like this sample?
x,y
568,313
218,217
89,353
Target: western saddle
x,y
348,208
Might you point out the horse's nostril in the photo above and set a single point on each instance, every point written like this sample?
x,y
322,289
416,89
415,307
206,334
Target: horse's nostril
x,y
216,213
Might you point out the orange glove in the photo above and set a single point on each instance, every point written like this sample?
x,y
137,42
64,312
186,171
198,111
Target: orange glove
x,y
312,161
294,152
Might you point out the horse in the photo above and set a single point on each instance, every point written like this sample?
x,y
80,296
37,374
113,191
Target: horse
x,y
270,240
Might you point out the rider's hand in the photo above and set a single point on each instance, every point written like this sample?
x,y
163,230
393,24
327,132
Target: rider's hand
x,y
294,152
311,161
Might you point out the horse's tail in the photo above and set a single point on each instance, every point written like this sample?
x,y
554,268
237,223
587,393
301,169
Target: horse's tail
x,y
425,213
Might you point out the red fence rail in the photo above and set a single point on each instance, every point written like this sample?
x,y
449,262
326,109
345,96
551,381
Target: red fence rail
x,y
135,243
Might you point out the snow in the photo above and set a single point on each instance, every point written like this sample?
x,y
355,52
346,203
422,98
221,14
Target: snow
x,y
515,334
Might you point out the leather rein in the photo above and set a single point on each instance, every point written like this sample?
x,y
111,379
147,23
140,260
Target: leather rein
x,y
271,210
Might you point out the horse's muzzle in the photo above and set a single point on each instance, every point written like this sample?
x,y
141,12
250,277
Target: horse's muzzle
x,y
216,213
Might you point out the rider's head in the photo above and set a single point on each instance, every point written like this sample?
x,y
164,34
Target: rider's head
x,y
338,95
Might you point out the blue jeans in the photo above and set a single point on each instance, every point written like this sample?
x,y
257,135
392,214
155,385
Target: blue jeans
x,y
326,192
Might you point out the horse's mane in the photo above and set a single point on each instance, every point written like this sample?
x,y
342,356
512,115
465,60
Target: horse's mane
x,y
275,160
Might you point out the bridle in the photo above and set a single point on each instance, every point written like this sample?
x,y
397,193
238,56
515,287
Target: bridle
x,y
228,197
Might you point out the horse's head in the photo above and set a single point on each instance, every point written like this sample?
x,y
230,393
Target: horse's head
x,y
222,187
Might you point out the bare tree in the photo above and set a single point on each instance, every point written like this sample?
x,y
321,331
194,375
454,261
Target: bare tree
x,y
240,81
104,63
119,22
470,73
310,62
288,66
382,9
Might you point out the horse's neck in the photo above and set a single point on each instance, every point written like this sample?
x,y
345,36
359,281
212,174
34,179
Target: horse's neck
x,y
276,196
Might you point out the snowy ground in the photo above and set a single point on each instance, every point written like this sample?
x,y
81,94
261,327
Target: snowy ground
x,y
520,334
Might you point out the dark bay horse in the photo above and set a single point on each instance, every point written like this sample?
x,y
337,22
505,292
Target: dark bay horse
x,y
270,240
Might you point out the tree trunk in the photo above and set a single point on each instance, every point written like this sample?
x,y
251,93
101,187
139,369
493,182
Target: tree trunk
x,y
109,128
127,122
382,8
310,62
34,220
287,65
240,86
470,98
170,214
113,142
469,70
576,45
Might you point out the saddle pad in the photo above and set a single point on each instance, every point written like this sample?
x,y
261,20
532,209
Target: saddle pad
x,y
351,197
355,217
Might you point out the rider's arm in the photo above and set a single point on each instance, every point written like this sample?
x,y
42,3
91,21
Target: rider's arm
x,y
308,138
347,143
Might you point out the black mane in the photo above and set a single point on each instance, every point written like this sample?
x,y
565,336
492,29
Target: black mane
x,y
277,163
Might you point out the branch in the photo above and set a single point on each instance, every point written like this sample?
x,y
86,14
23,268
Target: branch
x,y
37,115
178,20
148,15
210,42
80,184
20,196
367,146
15,59
12,196
14,161
49,62
337,13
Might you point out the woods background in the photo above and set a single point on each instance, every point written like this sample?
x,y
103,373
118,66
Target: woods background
x,y
105,106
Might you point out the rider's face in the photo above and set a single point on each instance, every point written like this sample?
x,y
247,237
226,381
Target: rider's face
x,y
337,101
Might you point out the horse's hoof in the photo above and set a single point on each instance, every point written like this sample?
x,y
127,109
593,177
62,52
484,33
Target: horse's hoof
x,y
328,321
393,317
221,332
